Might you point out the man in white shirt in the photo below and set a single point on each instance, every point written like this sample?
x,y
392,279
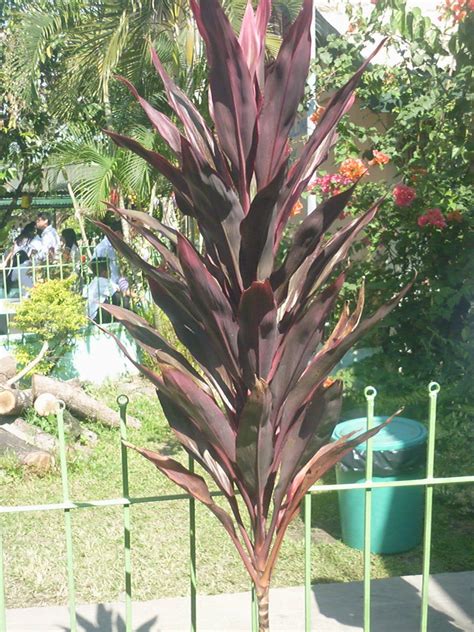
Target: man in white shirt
x,y
105,250
50,242
100,290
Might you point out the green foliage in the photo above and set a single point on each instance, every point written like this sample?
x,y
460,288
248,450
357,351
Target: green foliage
x,y
54,313
425,103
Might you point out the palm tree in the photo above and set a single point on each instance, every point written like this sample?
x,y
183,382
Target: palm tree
x,y
68,51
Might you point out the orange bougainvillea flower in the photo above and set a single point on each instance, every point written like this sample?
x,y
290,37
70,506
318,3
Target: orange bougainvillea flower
x,y
329,381
379,158
296,210
315,116
353,168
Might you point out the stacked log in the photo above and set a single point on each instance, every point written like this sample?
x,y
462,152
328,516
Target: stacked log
x,y
32,446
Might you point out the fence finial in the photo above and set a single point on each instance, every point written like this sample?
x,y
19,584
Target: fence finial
x,y
370,392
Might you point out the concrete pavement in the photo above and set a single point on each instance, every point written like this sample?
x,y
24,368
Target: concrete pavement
x,y
335,608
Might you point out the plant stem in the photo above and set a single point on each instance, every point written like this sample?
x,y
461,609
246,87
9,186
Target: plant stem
x,y
263,608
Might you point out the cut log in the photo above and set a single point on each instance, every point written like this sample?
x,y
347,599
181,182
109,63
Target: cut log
x,y
14,401
47,404
39,460
8,368
78,402
31,434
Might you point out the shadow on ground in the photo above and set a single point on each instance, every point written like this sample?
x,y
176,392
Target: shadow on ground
x,y
110,621
396,605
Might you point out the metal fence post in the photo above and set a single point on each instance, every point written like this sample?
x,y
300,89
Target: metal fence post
x,y
122,401
3,620
254,609
307,562
370,395
192,554
67,518
433,390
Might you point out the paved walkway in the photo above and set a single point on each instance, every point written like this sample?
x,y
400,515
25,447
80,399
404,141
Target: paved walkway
x,y
335,608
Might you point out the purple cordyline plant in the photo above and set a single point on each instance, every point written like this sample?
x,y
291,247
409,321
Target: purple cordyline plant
x,y
257,411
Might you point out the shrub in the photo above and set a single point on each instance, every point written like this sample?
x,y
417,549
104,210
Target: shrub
x,y
54,313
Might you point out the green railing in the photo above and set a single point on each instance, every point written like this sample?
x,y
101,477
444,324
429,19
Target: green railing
x,y
68,506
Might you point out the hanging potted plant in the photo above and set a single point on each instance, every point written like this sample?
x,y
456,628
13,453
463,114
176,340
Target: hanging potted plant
x,y
257,412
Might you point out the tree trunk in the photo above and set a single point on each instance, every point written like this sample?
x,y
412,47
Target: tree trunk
x,y
14,401
78,402
263,608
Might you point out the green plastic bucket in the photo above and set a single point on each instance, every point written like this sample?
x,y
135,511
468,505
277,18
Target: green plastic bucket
x,y
399,453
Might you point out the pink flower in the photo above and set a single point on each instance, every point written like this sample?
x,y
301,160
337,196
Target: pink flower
x,y
331,183
403,195
432,217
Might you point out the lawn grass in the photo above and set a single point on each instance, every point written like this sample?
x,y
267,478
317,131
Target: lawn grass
x,y
35,547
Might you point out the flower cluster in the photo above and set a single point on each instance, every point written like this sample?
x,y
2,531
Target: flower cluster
x,y
458,8
379,158
331,184
432,217
353,169
403,195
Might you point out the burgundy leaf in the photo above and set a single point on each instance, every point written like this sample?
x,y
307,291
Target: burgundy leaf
x,y
323,409
252,37
336,108
258,331
257,232
323,461
218,212
165,128
301,341
234,106
317,147
319,265
192,333
194,442
193,484
156,160
202,408
151,340
309,233
255,440
283,91
146,220
326,359
211,302
196,129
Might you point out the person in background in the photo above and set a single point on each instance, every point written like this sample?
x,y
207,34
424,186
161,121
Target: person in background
x,y
22,242
50,243
70,248
99,291
17,262
104,249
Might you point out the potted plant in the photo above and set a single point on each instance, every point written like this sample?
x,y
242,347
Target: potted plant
x,y
257,413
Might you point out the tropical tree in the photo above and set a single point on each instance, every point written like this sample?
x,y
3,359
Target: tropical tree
x,y
256,407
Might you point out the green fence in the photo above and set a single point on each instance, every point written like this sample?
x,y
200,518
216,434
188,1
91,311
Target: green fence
x,y
68,506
